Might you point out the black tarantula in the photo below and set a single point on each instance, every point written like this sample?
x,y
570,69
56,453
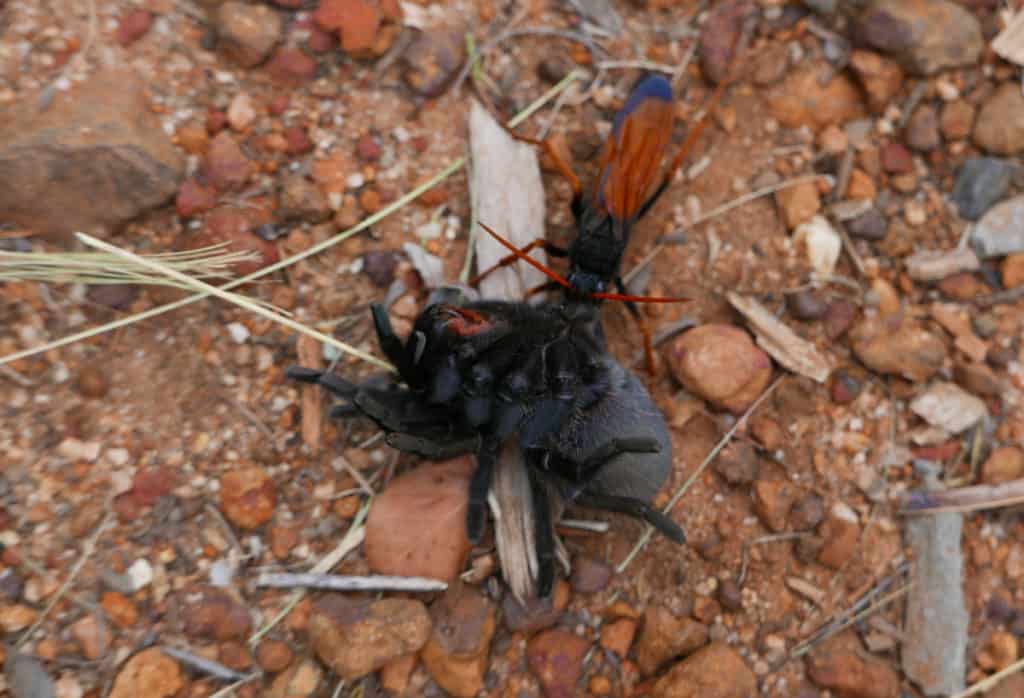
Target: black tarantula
x,y
481,375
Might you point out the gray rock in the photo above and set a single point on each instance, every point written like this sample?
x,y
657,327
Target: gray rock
x,y
980,183
1001,231
94,158
925,36
935,631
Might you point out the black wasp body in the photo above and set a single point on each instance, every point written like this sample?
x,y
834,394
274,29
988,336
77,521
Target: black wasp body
x,y
630,181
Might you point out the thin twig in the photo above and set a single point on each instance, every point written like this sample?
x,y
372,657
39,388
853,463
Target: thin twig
x,y
718,211
352,540
582,525
253,419
364,484
225,526
1009,296
963,499
771,538
236,299
14,376
515,33
638,65
756,194
851,252
648,529
336,582
990,682
830,630
230,690
204,665
87,550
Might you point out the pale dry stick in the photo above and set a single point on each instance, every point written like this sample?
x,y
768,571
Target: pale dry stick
x,y
14,376
805,646
206,666
401,202
236,299
648,529
851,252
230,690
718,211
226,527
637,65
963,499
1011,295
35,568
87,550
252,417
364,484
353,539
585,525
990,682
337,582
771,538
515,33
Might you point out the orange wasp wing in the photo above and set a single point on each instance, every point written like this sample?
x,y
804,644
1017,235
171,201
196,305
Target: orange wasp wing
x,y
632,155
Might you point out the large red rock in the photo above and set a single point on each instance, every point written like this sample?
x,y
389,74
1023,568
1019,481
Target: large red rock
x,y
417,526
721,364
94,158
355,637
716,671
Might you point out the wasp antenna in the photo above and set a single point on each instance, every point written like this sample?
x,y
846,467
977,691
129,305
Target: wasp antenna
x,y
638,299
525,257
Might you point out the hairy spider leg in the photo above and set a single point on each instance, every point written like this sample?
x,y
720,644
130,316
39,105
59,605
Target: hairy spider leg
x,y
433,447
635,508
479,486
588,468
543,533
329,381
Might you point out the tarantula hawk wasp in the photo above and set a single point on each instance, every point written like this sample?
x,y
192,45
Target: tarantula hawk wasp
x,y
492,376
626,189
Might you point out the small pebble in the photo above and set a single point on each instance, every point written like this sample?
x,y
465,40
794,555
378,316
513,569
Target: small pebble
x,y
807,305
980,183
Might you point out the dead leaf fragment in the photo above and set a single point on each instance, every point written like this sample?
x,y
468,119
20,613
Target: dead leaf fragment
x,y
782,343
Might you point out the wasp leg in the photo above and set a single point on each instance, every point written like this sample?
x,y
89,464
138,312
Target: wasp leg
x,y
549,247
635,508
644,329
543,533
